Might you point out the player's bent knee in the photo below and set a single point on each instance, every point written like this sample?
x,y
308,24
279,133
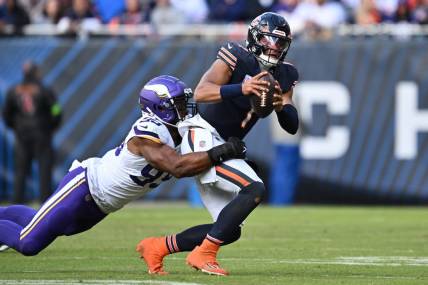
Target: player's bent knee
x,y
255,189
30,248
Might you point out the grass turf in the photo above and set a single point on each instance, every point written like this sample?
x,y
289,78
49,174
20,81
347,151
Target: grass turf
x,y
294,245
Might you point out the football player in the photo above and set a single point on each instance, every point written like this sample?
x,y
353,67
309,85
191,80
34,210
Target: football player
x,y
96,187
232,190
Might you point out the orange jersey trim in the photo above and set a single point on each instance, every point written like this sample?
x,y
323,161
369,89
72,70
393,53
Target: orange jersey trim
x,y
229,54
233,176
229,62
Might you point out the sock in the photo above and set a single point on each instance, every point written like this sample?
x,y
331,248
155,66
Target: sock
x,y
171,244
188,239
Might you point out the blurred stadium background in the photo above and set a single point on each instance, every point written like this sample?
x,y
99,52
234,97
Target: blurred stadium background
x,y
362,94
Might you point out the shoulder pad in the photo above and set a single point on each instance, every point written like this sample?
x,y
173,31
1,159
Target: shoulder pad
x,y
150,128
291,72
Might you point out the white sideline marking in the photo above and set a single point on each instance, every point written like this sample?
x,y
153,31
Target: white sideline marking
x,y
92,282
345,260
341,260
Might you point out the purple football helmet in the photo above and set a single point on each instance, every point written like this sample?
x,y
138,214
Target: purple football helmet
x,y
167,97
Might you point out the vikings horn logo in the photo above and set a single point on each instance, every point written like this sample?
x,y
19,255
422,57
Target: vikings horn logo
x,y
160,90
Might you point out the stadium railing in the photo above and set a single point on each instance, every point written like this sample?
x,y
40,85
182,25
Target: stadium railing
x,y
211,31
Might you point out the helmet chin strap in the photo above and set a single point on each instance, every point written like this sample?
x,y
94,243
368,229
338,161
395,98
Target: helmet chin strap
x,y
147,110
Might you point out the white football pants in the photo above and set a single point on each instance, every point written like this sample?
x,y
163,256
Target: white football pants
x,y
220,184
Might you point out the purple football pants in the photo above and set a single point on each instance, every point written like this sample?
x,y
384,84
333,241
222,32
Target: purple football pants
x,y
70,210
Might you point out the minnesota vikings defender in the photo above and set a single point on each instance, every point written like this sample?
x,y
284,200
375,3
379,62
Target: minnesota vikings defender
x,y
231,190
97,187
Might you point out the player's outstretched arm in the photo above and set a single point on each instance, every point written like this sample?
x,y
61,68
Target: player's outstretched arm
x,y
166,159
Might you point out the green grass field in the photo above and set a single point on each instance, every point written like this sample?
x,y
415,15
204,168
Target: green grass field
x,y
295,245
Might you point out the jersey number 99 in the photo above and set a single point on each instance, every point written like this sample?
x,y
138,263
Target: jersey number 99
x,y
150,175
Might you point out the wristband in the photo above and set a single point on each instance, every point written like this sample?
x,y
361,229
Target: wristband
x,y
231,91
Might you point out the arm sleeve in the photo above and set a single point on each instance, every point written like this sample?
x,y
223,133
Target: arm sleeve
x,y
289,119
9,109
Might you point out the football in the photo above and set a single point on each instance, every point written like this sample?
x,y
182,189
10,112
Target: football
x,y
263,105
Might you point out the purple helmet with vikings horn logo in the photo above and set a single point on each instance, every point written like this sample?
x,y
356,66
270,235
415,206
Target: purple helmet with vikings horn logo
x,y
166,97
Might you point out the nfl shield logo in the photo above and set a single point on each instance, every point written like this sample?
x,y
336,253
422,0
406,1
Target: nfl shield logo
x,y
247,77
202,144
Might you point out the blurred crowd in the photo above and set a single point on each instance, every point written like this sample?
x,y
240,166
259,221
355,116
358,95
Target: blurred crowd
x,y
70,15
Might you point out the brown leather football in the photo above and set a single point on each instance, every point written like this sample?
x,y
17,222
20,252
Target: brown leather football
x,y
263,105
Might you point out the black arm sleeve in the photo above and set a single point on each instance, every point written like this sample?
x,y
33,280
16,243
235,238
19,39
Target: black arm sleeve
x,y
288,119
9,109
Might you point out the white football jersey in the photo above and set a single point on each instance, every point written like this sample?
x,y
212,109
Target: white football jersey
x,y
121,176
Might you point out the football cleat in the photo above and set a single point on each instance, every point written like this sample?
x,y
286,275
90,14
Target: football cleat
x,y
153,250
204,258
3,247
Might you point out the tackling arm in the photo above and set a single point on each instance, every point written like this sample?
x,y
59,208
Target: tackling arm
x,y
166,159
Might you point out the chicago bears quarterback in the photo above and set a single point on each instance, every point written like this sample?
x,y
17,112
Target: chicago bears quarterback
x,y
96,187
231,190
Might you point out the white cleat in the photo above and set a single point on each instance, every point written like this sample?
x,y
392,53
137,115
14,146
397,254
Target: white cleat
x,y
3,247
